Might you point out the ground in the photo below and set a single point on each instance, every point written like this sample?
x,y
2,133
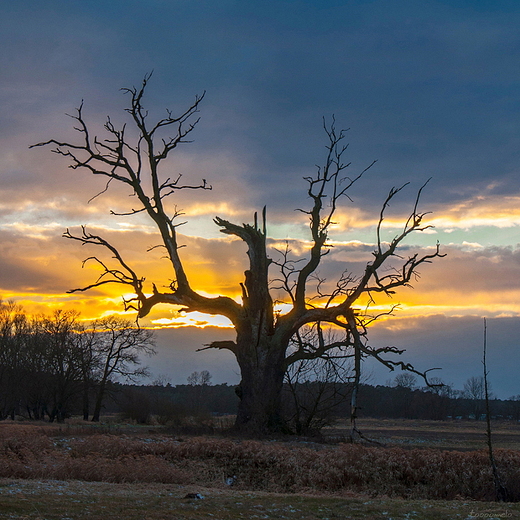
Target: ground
x,y
50,500
63,467
446,435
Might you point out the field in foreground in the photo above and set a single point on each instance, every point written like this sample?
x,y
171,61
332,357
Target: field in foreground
x,y
43,451
53,500
424,471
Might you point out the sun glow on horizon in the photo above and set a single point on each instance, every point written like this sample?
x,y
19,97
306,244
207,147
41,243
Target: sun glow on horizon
x,y
192,319
454,286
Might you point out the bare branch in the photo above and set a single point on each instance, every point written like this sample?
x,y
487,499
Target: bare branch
x,y
221,345
326,184
403,276
137,166
125,275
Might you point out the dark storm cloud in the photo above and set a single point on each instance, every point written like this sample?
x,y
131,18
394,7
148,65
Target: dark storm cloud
x,y
428,88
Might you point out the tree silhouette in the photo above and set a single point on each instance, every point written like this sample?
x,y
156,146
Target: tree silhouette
x,y
117,346
475,392
405,380
262,333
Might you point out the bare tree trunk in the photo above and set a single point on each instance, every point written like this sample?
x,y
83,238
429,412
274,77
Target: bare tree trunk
x,y
501,493
354,432
355,435
99,401
262,371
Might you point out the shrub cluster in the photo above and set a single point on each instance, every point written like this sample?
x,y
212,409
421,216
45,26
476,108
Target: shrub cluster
x,y
255,465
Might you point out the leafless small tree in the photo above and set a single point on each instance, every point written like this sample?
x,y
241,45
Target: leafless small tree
x,y
117,347
15,328
200,378
56,352
501,492
474,390
316,387
405,380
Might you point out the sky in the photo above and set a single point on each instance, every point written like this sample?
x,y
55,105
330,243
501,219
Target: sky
x,y
429,89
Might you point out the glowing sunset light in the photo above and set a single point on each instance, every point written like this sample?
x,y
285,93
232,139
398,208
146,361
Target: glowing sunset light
x,y
214,208
193,319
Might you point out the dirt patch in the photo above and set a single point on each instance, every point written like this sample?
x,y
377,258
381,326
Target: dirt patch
x,y
63,500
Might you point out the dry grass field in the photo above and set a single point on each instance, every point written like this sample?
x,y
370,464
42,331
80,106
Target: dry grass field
x,y
444,435
424,470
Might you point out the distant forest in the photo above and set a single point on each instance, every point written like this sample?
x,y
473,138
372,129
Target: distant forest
x,y
319,404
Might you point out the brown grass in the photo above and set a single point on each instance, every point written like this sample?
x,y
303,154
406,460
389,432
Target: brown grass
x,y
34,452
457,435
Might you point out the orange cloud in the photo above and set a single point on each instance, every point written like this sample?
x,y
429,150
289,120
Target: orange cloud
x,y
38,267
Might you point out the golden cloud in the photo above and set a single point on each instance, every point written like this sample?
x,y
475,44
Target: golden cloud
x,y
481,210
38,267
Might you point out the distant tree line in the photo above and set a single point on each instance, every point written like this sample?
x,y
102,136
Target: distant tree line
x,y
316,403
55,366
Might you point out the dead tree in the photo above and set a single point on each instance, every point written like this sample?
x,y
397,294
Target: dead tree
x,y
501,493
117,347
262,333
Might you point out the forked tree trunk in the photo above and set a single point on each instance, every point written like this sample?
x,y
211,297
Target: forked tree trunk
x,y
259,349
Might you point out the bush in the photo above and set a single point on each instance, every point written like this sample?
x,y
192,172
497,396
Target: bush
x,y
255,465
